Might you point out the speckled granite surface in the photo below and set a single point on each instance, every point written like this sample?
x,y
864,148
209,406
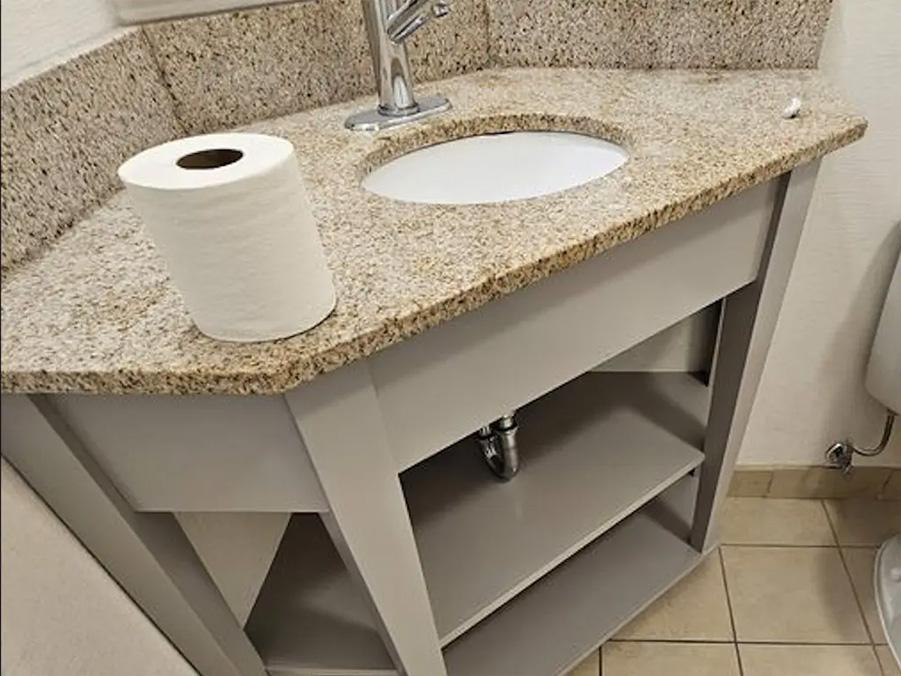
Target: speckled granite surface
x,y
97,314
64,133
658,33
231,69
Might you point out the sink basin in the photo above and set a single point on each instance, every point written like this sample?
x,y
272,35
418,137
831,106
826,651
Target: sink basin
x,y
496,168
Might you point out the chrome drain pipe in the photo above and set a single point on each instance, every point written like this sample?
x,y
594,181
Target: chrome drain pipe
x,y
498,445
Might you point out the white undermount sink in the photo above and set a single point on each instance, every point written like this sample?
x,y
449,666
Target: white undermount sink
x,y
496,168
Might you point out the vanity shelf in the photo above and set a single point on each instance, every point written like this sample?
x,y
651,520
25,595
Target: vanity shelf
x,y
555,623
593,452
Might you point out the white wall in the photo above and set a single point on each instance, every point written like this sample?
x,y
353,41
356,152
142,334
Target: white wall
x,y
812,391
35,30
62,614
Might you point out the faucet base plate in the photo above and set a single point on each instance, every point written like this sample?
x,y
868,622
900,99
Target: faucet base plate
x,y
375,120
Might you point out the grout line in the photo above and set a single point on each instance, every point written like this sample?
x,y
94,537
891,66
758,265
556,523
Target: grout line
x,y
857,598
878,663
884,486
808,643
694,641
719,553
699,641
841,556
829,521
782,546
736,545
769,485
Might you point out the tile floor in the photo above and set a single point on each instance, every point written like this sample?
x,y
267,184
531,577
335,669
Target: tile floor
x,y
789,593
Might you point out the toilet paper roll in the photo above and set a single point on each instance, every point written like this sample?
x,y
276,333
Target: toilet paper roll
x,y
230,217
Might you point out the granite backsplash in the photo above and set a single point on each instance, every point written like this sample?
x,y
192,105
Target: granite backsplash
x,y
65,131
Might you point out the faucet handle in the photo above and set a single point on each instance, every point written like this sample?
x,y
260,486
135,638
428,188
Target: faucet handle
x,y
413,15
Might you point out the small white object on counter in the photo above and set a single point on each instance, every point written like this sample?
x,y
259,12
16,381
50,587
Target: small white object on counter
x,y
793,109
230,216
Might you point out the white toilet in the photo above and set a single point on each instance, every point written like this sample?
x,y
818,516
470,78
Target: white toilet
x,y
884,383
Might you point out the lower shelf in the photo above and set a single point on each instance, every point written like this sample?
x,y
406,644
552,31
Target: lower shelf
x,y
554,624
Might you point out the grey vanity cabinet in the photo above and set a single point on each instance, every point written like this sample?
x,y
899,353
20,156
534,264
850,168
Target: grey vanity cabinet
x,y
348,527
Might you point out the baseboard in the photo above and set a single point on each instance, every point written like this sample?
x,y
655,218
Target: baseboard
x,y
757,481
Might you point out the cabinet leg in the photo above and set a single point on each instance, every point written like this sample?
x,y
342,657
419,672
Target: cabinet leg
x,y
746,327
339,420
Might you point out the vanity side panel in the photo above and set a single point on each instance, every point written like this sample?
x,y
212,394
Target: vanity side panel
x,y
198,453
501,356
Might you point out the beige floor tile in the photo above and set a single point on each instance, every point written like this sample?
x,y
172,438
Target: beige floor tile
x,y
823,482
750,483
860,564
792,595
892,488
808,660
887,661
864,522
590,666
695,609
772,521
672,659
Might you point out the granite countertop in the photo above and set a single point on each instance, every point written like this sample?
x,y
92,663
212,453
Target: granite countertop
x,y
96,313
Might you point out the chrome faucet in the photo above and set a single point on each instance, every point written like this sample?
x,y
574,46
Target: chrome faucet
x,y
388,25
